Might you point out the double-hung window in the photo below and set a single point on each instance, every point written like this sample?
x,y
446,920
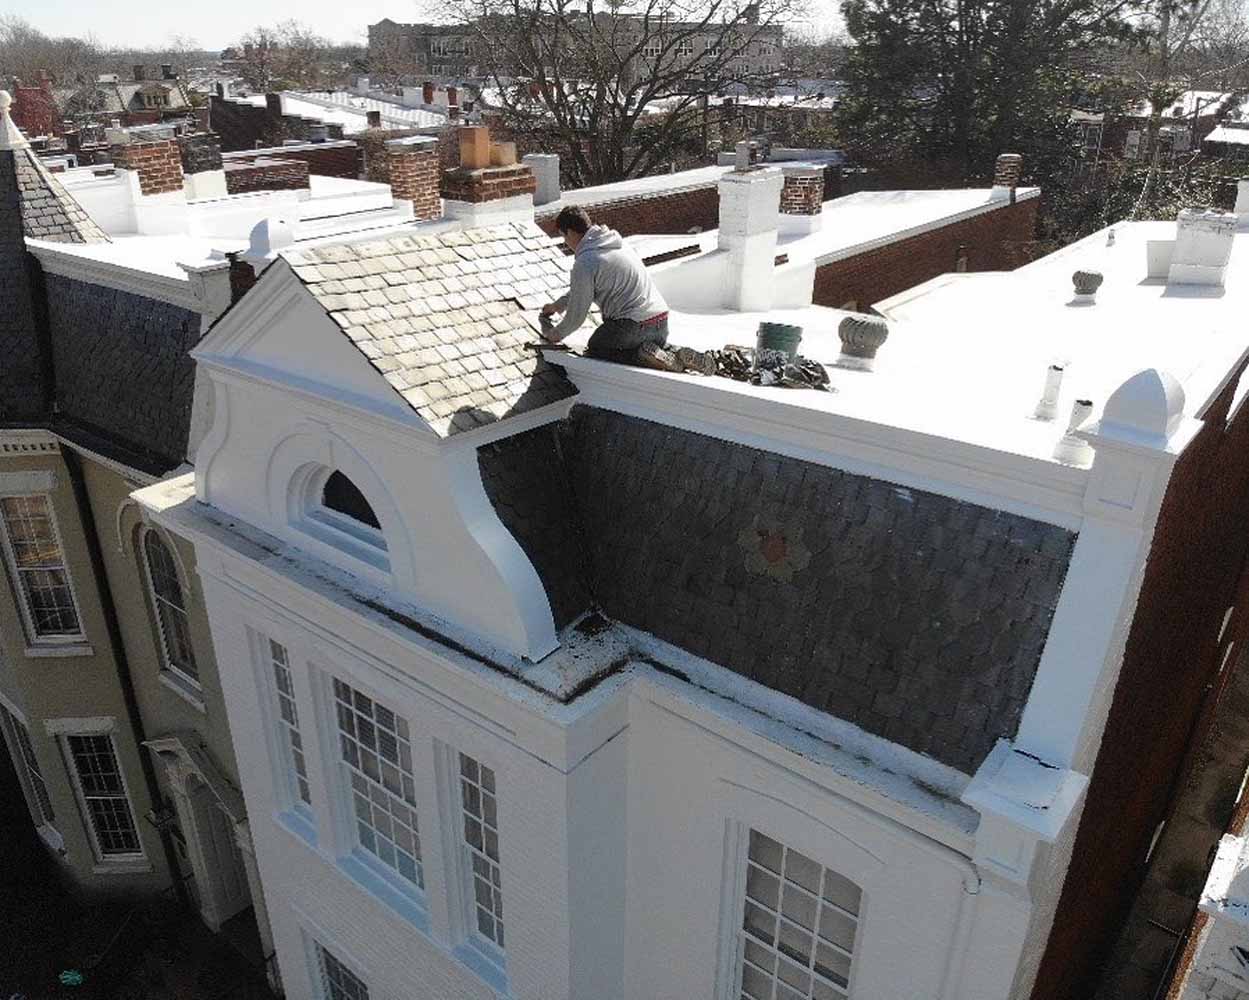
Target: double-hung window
x,y
799,921
294,764
480,814
33,549
337,981
27,767
104,797
170,608
377,762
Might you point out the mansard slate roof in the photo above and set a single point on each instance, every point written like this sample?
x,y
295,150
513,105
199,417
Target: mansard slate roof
x,y
49,212
443,317
915,616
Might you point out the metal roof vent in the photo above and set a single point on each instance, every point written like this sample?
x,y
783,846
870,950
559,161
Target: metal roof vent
x,y
862,335
1086,285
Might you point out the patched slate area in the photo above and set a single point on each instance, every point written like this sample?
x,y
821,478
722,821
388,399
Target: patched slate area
x,y
528,485
122,366
443,318
917,617
49,212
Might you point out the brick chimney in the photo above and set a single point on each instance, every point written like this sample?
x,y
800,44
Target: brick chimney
x,y
427,92
1006,174
203,174
156,164
374,119
414,174
273,105
166,72
749,203
484,194
140,73
802,198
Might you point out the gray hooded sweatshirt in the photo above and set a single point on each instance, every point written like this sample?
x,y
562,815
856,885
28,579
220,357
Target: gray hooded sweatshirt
x,y
608,273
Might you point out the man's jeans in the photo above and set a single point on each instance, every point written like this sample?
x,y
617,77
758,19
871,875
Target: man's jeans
x,y
619,339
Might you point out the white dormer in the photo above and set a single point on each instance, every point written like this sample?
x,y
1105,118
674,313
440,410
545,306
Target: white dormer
x,y
346,396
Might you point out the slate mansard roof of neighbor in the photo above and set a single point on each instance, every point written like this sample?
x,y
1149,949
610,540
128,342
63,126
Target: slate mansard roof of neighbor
x,y
444,317
49,212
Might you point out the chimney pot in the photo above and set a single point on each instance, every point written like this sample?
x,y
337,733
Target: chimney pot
x,y
1047,407
474,146
545,167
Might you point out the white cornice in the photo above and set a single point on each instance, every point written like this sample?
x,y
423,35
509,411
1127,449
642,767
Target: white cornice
x,y
1039,490
162,288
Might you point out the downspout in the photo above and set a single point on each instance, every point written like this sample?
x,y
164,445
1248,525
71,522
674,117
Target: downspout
x,y
73,464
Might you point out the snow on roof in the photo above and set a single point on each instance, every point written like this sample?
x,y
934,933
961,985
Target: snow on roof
x,y
1198,102
349,110
1236,136
447,319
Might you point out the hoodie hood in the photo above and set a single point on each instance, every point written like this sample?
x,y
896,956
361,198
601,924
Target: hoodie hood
x,y
598,239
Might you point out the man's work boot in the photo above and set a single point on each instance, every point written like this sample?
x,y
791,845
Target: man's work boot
x,y
651,355
703,362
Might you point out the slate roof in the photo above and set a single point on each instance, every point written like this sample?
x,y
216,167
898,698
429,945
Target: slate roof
x,y
446,318
49,212
915,616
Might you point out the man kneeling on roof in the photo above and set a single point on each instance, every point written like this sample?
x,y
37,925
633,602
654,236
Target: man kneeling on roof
x,y
610,275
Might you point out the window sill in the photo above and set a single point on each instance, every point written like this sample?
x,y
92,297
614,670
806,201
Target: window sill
x,y
52,837
52,651
382,887
139,866
298,826
474,957
184,690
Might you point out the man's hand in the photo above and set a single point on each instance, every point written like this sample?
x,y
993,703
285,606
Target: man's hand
x,y
547,328
549,308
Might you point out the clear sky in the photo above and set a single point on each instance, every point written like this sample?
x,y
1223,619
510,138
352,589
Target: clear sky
x,y
213,24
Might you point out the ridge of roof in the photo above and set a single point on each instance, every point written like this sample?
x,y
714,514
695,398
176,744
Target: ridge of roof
x,y
443,317
49,212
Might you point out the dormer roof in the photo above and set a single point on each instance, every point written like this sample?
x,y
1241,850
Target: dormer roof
x,y
446,319
49,212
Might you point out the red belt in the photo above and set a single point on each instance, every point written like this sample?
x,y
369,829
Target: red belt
x,y
654,320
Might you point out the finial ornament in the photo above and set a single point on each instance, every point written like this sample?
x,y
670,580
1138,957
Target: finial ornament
x,y
10,135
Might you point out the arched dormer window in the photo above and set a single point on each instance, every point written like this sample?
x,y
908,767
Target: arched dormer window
x,y
338,513
171,617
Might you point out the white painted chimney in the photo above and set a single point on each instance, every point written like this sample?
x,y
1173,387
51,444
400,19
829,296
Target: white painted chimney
x,y
1203,245
545,167
749,216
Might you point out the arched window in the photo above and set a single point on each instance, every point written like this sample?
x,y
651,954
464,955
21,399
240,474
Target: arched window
x,y
342,495
171,616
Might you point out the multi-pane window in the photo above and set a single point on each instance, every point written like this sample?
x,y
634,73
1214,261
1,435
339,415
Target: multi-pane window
x,y
377,756
288,722
28,765
175,629
337,981
34,552
798,926
481,842
104,794
685,47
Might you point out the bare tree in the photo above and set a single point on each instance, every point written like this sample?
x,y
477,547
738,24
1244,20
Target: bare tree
x,y
258,67
393,60
621,91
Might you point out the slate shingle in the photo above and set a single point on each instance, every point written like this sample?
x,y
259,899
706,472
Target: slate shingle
x,y
49,212
429,311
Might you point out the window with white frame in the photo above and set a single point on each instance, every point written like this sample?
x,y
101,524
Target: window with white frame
x,y
480,810
338,514
712,47
652,48
337,981
27,767
685,47
33,550
798,927
294,763
377,762
170,606
104,797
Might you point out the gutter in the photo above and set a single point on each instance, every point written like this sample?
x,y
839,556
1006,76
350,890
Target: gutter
x,y
73,464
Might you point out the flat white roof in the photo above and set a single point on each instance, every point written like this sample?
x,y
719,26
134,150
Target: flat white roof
x,y
967,354
1232,136
636,187
349,110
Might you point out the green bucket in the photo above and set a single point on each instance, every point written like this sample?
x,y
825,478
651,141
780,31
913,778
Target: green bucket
x,y
778,337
